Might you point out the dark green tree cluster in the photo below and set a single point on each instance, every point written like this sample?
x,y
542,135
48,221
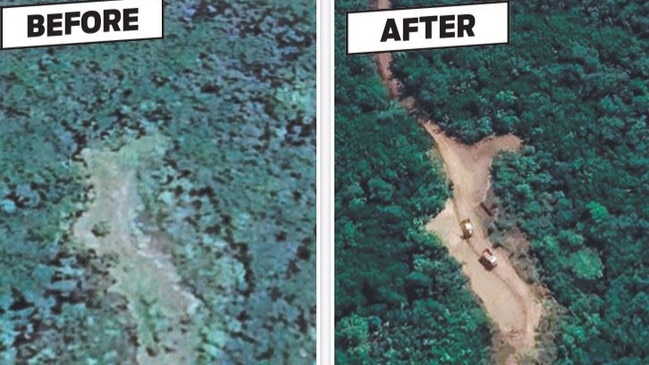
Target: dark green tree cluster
x,y
399,298
573,83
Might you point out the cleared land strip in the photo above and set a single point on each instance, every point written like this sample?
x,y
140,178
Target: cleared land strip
x,y
508,300
143,272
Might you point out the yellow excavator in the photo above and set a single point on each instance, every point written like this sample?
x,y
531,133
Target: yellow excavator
x,y
467,228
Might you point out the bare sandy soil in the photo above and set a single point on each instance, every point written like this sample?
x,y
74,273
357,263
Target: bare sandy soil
x,y
143,273
510,302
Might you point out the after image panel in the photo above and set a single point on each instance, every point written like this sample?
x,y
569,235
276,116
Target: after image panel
x,y
490,200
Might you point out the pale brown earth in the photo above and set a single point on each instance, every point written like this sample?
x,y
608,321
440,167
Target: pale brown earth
x,y
512,304
143,272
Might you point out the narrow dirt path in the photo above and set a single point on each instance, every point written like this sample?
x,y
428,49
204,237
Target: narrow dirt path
x,y
143,272
507,299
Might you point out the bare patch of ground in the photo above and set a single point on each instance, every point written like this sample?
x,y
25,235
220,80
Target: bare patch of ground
x,y
513,304
143,273
508,299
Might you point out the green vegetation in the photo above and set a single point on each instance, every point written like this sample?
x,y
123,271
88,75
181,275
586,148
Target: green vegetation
x,y
232,88
573,83
399,298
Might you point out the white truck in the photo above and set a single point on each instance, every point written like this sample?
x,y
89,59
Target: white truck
x,y
488,260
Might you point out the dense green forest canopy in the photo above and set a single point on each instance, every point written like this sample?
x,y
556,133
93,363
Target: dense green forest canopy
x,y
573,83
399,298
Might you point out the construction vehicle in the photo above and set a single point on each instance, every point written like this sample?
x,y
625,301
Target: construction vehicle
x,y
488,260
467,228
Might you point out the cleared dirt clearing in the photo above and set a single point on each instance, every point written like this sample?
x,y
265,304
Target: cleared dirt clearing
x,y
508,300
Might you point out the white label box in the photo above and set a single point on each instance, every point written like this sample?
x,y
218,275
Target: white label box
x,y
81,22
430,27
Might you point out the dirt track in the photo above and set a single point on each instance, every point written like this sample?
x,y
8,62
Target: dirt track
x,y
507,299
